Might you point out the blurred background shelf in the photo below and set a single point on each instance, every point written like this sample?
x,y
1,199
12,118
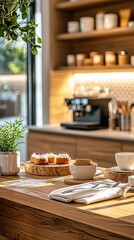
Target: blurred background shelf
x,y
115,32
115,68
67,5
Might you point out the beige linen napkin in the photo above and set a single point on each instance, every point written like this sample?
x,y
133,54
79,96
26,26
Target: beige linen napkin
x,y
91,192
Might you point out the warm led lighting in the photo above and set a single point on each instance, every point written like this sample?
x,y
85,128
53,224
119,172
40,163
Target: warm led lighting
x,y
106,76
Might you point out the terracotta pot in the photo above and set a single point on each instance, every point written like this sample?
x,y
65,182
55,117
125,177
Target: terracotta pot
x,y
9,163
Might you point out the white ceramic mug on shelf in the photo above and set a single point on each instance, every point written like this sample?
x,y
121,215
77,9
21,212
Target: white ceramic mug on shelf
x,y
86,24
80,59
99,21
72,26
71,60
110,21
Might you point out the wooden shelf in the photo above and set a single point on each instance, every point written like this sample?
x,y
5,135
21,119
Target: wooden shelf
x,y
67,5
115,68
96,34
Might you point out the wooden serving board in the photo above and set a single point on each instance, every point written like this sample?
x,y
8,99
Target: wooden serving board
x,y
114,173
47,170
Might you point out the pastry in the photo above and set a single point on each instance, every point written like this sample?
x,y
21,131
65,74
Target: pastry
x,y
33,156
83,162
62,158
51,157
39,159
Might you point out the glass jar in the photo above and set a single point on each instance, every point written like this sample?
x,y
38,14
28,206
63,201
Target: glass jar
x,y
110,58
123,58
98,59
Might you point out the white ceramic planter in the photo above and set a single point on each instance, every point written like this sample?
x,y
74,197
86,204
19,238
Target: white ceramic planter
x,y
9,163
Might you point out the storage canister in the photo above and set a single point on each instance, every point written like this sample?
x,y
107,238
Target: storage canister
x,y
87,61
86,24
91,54
98,59
110,58
72,26
110,20
99,21
123,58
132,60
71,60
80,59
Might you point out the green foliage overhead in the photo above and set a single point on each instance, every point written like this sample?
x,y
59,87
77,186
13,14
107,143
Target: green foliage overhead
x,y
14,25
12,58
10,134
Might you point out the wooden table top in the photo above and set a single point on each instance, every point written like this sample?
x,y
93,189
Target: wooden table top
x,y
115,215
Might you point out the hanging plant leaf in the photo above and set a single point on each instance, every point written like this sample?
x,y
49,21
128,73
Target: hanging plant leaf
x,y
11,11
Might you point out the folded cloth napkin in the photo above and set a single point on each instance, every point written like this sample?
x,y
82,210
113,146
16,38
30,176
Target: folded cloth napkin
x,y
91,192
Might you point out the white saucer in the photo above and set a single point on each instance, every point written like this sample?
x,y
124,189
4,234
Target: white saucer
x,y
98,172
117,169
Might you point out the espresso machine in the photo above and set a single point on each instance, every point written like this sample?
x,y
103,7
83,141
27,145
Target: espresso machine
x,y
88,113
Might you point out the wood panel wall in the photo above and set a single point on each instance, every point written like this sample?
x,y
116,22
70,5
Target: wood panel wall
x,y
61,87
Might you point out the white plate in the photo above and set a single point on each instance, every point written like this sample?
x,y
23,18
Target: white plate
x,y
98,172
117,169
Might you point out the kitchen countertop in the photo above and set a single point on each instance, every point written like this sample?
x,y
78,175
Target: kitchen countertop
x,y
103,133
24,200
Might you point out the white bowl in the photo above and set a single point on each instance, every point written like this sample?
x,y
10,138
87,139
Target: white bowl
x,y
125,160
83,172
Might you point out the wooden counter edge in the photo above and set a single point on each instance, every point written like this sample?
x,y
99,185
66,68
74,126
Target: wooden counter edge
x,y
95,220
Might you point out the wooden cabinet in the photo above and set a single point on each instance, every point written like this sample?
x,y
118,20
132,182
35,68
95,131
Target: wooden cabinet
x,y
64,43
100,150
128,147
43,142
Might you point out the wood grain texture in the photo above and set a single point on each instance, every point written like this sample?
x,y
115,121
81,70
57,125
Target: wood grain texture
x,y
47,170
117,176
26,213
66,5
121,32
99,150
61,88
40,142
113,39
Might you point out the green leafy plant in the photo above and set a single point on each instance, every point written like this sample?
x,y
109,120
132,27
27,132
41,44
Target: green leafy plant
x,y
14,24
10,134
12,57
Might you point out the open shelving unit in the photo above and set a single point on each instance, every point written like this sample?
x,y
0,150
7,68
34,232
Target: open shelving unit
x,y
97,68
63,43
115,32
80,4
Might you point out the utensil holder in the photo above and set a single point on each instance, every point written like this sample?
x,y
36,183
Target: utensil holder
x,y
125,122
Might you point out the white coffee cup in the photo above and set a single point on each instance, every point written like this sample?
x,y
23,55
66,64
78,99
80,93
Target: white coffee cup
x,y
110,20
72,26
83,172
125,160
86,24
131,180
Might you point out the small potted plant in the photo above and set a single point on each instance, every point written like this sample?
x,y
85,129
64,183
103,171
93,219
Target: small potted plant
x,y
14,24
10,136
